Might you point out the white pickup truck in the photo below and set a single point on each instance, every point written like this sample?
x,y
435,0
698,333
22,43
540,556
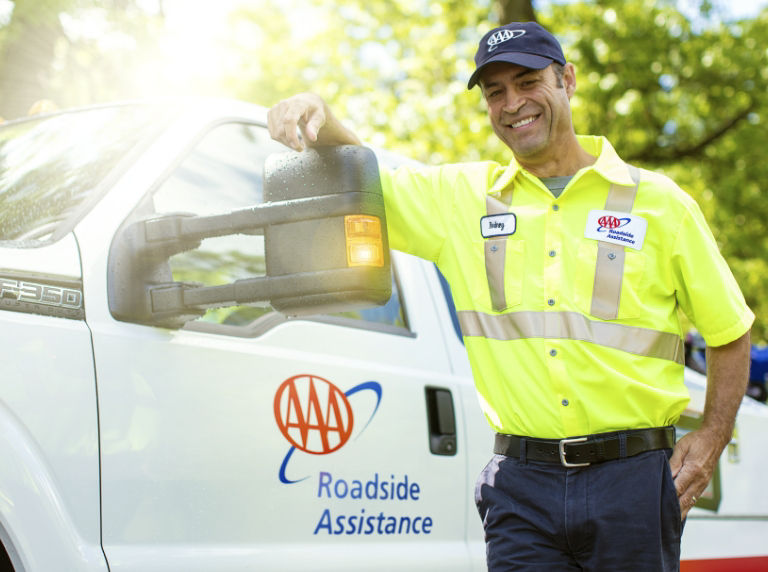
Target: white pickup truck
x,y
158,413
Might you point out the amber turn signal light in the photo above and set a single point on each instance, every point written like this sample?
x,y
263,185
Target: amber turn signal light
x,y
364,242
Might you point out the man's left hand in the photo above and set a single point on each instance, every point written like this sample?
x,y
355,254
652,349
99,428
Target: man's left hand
x,y
693,461
696,454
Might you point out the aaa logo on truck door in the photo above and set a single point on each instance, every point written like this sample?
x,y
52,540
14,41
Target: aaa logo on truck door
x,y
315,416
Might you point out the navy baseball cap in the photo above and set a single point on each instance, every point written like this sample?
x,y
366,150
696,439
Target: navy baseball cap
x,y
526,44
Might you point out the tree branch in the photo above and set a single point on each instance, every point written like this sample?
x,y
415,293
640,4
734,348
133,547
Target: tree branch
x,y
514,11
655,154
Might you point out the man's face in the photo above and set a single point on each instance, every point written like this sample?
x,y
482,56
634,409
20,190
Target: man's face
x,y
529,109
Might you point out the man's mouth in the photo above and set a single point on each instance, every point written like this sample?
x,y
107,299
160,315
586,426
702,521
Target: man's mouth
x,y
523,122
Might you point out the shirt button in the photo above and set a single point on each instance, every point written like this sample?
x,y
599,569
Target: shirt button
x,y
552,253
555,207
564,402
551,301
553,353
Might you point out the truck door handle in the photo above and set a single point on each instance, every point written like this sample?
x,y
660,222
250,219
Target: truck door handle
x,y
442,421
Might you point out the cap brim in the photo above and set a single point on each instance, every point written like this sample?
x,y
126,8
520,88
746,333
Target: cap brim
x,y
522,59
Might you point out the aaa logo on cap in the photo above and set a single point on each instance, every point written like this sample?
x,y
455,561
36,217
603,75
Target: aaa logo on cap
x,y
502,36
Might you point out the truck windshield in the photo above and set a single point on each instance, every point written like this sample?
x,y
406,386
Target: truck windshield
x,y
52,167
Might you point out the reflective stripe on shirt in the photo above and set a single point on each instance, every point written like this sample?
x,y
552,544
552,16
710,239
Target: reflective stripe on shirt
x,y
572,326
609,269
496,253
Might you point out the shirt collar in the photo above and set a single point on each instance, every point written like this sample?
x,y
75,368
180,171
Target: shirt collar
x,y
608,164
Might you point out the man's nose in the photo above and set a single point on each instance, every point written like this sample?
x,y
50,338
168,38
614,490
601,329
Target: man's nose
x,y
513,102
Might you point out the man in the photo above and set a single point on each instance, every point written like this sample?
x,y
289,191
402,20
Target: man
x,y
567,269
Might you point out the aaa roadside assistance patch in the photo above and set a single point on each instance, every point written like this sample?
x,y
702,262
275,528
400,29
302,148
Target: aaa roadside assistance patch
x,y
618,228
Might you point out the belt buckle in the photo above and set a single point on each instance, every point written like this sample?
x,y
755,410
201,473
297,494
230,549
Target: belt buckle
x,y
561,449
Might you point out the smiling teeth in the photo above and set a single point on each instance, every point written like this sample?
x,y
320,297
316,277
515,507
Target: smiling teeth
x,y
523,122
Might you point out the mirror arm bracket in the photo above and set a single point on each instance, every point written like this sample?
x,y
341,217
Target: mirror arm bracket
x,y
180,232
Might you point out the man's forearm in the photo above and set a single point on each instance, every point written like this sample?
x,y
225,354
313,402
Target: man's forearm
x,y
727,377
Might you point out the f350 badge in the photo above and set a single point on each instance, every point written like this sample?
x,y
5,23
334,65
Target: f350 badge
x,y
48,299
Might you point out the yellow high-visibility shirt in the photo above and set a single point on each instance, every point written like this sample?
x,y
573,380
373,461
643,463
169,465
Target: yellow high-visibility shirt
x,y
544,365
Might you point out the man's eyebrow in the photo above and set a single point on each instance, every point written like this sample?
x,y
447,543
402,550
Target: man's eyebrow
x,y
518,75
525,72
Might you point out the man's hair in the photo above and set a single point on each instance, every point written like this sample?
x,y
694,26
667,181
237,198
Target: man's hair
x,y
559,69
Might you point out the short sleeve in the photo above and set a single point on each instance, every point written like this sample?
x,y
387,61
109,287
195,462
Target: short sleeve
x,y
418,209
705,287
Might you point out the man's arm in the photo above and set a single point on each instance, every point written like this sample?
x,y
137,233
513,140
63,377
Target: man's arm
x,y
696,454
310,114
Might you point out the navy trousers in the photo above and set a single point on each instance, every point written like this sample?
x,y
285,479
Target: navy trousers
x,y
615,516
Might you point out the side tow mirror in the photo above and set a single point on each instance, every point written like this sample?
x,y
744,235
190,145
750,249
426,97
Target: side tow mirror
x,y
338,259
325,241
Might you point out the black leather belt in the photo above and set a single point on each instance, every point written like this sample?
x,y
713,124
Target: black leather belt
x,y
583,451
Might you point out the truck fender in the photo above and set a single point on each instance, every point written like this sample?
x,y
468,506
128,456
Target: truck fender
x,y
36,528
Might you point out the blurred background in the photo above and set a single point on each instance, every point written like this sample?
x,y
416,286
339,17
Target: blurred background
x,y
677,85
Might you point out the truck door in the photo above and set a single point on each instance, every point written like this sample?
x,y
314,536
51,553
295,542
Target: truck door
x,y
246,440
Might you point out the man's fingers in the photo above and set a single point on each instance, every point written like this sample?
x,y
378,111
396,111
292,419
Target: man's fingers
x,y
275,124
688,488
687,502
303,112
289,122
682,482
313,124
676,462
282,122
678,456
291,137
685,471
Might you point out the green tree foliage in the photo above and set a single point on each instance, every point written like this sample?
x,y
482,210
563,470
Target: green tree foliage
x,y
28,44
395,69
76,52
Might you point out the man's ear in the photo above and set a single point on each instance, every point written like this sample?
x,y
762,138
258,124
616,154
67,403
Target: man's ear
x,y
569,79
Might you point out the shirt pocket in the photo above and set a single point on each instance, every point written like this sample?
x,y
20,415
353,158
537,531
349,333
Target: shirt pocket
x,y
633,280
502,274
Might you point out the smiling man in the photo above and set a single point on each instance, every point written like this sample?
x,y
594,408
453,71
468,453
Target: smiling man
x,y
567,268
528,98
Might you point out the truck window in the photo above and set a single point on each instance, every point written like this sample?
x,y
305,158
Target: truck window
x,y
53,167
221,173
449,302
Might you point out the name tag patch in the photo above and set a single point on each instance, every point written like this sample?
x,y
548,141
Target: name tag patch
x,y
618,228
498,225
